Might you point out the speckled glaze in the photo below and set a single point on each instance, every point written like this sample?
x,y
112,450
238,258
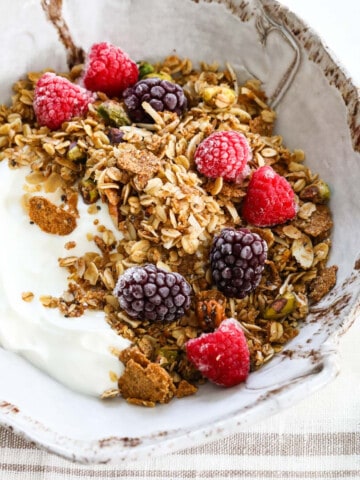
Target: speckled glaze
x,y
315,100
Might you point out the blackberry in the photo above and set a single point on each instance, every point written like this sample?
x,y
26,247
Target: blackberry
x,y
151,293
237,259
160,94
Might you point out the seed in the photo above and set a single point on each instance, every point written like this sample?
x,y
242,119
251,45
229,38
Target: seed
x,y
27,296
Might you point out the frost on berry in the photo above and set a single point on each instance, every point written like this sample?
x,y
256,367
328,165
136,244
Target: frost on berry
x,y
221,356
150,293
224,154
57,100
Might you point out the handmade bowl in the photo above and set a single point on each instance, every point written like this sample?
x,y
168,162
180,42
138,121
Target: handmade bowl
x,y
318,110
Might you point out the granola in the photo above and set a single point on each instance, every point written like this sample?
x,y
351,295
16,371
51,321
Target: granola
x,y
167,215
49,217
144,382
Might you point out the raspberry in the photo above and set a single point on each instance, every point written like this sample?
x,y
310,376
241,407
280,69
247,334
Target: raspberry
x,y
150,293
237,259
221,356
270,200
57,100
108,69
224,154
160,94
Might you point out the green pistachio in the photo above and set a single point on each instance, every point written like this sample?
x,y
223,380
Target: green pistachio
x,y
219,96
161,75
113,113
280,307
145,68
88,191
317,192
75,153
166,355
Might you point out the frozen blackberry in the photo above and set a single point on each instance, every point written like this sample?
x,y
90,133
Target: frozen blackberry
x,y
150,293
160,94
237,259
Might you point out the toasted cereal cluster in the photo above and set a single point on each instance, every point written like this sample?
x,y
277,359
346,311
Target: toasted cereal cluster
x,y
221,234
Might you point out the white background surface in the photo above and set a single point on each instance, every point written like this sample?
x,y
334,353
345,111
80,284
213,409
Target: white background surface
x,y
338,24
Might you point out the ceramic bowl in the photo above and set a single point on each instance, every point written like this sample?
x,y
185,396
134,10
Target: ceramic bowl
x,y
318,110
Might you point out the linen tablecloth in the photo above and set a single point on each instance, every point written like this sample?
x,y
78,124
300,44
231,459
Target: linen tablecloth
x,y
319,438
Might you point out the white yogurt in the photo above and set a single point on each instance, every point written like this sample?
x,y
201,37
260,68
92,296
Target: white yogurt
x,y
74,351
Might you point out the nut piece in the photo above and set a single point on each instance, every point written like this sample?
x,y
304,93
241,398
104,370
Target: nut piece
x,y
210,309
280,307
162,75
113,114
88,191
317,192
167,355
75,153
219,96
115,135
50,218
145,68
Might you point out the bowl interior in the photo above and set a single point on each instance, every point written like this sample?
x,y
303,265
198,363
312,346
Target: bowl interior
x,y
315,113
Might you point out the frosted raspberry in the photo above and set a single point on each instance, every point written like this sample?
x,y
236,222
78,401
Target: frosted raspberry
x,y
224,154
221,356
108,69
57,100
270,200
